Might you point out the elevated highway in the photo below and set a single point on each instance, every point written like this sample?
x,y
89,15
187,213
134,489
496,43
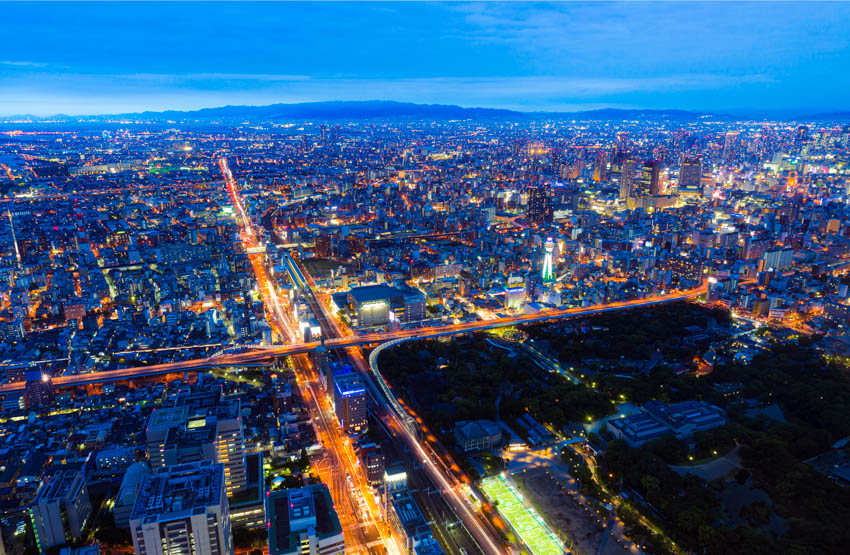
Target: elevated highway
x,y
265,355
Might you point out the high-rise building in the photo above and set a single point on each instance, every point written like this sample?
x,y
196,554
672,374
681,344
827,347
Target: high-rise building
x,y
539,206
61,509
350,402
302,521
182,510
627,178
649,180
730,141
372,459
199,426
690,176
600,166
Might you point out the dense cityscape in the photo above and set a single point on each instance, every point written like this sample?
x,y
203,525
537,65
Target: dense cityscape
x,y
425,278
334,337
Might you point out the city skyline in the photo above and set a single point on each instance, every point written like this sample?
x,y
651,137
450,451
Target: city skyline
x,y
116,58
425,278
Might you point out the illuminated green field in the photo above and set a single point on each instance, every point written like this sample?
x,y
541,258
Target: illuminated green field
x,y
523,519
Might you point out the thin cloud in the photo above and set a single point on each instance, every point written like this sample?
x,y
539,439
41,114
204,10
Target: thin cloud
x,y
15,63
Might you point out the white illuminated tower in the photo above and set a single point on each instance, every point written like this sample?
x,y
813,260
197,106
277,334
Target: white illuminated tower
x,y
548,274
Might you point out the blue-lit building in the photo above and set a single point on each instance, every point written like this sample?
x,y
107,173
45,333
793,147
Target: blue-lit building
x,y
350,402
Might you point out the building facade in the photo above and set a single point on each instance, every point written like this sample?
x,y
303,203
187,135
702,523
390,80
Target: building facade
x,y
61,509
182,510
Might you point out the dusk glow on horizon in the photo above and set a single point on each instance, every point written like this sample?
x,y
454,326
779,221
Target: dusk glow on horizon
x,y
95,58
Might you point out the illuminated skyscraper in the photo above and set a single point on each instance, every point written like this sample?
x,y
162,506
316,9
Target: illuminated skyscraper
x,y
627,178
690,176
600,166
539,207
350,403
649,180
729,143
548,274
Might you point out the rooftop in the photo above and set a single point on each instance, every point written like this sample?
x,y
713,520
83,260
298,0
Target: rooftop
x,y
292,511
179,491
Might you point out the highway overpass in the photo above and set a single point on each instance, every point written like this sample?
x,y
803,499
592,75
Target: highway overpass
x,y
266,355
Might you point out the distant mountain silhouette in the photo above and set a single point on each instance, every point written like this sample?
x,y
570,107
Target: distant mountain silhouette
x,y
339,110
391,110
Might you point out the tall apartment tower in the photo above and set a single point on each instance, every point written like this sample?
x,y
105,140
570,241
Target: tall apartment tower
x,y
649,180
199,427
627,178
61,509
539,207
600,166
730,141
182,510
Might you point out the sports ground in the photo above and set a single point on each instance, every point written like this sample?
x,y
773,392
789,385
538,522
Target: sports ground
x,y
525,522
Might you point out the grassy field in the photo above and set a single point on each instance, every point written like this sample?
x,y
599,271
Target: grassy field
x,y
527,524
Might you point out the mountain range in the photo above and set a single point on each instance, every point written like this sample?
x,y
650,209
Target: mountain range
x,y
387,109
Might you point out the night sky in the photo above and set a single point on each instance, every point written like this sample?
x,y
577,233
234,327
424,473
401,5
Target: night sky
x,y
112,58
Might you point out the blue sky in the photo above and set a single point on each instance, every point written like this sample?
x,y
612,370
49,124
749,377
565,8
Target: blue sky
x,y
108,58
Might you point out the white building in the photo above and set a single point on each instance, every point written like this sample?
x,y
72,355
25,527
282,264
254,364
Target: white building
x,y
61,509
182,510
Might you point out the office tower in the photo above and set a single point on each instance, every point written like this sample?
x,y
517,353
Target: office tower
x,y
373,462
39,389
60,510
690,175
548,273
303,521
199,426
350,403
182,510
539,207
627,178
600,166
649,180
729,143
